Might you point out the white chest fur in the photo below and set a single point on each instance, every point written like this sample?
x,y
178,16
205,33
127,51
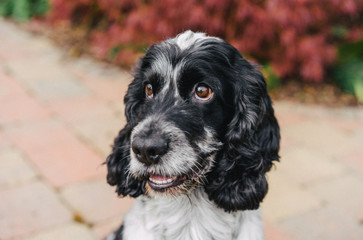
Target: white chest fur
x,y
191,217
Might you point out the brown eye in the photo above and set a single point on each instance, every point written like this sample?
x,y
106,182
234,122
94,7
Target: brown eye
x,y
149,90
203,93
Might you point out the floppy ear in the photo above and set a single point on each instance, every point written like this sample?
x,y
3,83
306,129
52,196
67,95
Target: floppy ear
x,y
118,167
118,162
238,181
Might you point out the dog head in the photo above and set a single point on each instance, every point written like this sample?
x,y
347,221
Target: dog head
x,y
197,114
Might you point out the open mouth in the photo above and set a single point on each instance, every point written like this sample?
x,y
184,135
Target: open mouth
x,y
162,183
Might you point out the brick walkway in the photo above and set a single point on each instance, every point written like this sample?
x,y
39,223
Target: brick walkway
x,y
58,117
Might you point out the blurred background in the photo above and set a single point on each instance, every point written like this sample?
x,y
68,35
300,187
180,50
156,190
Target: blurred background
x,y
64,69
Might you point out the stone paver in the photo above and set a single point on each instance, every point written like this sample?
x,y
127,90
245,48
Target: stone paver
x,y
323,223
3,142
58,89
275,233
58,118
103,229
22,107
285,199
305,166
100,131
323,137
344,193
94,201
14,168
105,86
353,159
60,157
30,208
67,232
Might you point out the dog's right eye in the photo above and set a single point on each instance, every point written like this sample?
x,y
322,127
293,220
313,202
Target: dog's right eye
x,y
203,92
149,90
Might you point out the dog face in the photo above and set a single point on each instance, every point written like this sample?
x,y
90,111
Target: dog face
x,y
197,114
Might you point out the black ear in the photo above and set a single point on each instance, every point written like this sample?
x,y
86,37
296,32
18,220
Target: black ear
x,y
118,162
238,181
118,167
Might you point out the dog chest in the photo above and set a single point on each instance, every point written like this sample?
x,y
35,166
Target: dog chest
x,y
191,217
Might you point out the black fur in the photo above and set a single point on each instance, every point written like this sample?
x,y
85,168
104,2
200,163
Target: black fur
x,y
241,114
117,165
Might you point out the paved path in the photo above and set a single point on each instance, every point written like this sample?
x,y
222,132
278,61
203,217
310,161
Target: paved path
x,y
58,117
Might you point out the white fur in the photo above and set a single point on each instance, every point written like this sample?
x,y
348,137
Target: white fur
x,y
171,79
209,143
163,66
192,217
189,38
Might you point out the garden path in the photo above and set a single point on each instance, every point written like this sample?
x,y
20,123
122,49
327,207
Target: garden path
x,y
58,118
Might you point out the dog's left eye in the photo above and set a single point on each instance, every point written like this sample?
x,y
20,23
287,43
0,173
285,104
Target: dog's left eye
x,y
203,92
149,90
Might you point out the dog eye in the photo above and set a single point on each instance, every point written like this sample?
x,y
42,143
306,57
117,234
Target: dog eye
x,y
203,92
149,90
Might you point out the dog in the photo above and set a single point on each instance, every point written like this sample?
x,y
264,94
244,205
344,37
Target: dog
x,y
199,138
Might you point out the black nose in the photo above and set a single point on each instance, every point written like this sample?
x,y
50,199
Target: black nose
x,y
149,150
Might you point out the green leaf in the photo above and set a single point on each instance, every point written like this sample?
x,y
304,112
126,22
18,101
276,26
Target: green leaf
x,y
272,79
339,31
349,76
21,11
114,51
358,89
6,7
39,7
349,51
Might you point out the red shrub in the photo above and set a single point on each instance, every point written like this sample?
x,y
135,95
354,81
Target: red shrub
x,y
298,37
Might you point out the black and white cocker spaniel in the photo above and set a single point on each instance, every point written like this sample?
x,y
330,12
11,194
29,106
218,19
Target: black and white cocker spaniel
x,y
200,136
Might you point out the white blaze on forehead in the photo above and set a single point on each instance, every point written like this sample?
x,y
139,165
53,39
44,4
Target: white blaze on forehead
x,y
188,38
164,66
169,73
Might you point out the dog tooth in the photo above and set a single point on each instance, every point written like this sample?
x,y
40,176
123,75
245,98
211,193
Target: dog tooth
x,y
169,180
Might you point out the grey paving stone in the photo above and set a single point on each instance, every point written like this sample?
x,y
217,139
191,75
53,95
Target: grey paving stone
x,y
286,199
322,137
30,208
344,193
324,223
60,157
105,228
72,231
14,168
44,76
306,166
96,123
96,70
100,132
58,89
95,201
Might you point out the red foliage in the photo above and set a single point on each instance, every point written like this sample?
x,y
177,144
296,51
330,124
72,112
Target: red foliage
x,y
298,37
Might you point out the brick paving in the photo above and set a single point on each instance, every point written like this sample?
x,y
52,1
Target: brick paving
x,y
58,117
